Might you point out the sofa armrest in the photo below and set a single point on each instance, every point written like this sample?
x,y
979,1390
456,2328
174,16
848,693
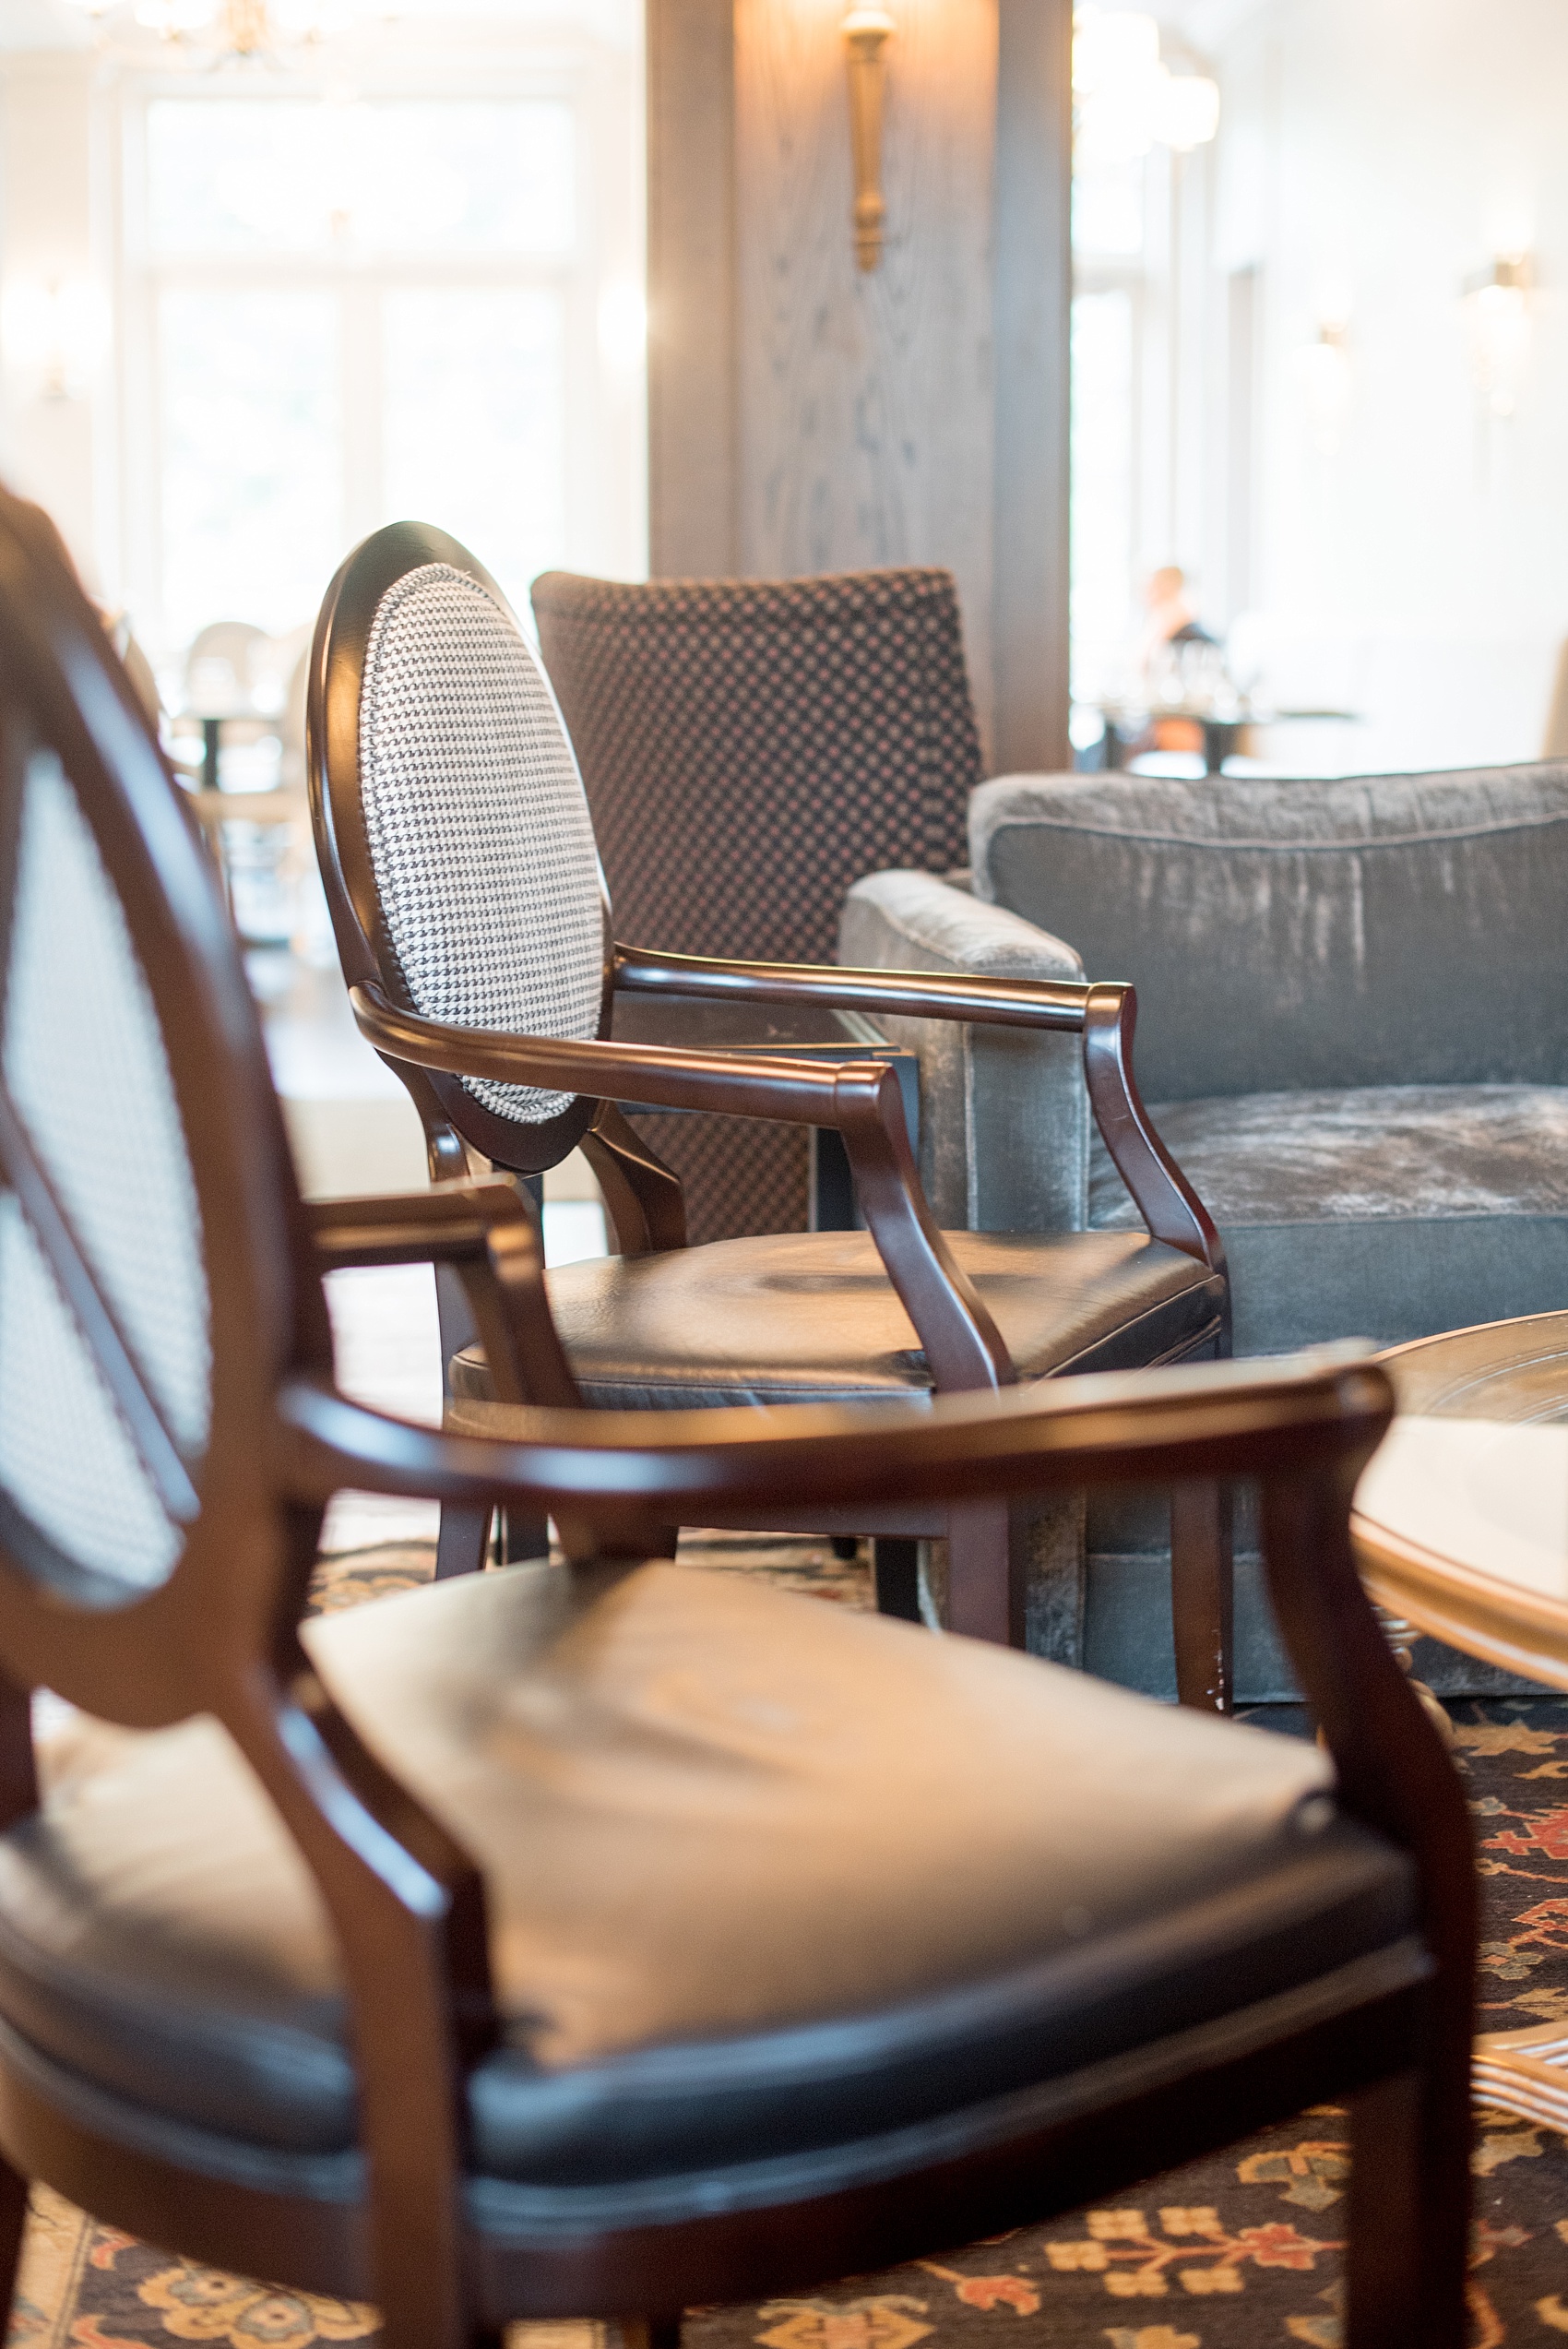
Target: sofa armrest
x,y
1004,1113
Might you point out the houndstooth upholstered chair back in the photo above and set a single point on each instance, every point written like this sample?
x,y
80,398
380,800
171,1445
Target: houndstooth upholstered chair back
x,y
751,747
477,829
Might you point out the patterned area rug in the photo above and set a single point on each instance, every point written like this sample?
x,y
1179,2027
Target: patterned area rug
x,y
1230,2253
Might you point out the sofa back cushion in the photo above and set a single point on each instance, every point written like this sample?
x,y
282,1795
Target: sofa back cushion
x,y
1375,930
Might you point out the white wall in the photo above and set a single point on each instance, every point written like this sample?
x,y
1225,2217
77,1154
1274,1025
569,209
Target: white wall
x,y
1372,153
54,226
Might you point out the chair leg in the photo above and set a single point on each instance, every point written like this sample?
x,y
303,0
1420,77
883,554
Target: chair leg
x,y
462,1542
1202,1591
896,1572
522,1538
13,2227
984,1599
650,2333
1408,2216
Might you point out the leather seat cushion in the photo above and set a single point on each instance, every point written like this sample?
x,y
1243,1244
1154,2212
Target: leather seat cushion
x,y
1386,1212
761,1875
812,1316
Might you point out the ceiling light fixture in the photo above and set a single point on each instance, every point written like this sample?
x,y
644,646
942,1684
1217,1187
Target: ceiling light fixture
x,y
1126,100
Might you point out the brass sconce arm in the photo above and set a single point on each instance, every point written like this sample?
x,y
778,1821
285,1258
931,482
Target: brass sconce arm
x,y
866,31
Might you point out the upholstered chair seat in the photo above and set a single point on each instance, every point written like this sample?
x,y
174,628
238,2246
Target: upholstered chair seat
x,y
928,1873
806,1316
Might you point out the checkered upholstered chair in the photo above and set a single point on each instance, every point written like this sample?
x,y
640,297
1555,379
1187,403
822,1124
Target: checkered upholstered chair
x,y
561,1942
475,934
749,748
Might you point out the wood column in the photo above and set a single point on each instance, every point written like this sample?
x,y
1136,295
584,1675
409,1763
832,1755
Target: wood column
x,y
692,413
805,417
1033,303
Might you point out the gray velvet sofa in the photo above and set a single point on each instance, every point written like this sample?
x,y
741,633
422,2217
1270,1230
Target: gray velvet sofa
x,y
1353,1032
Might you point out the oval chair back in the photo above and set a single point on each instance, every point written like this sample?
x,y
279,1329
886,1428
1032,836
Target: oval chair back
x,y
454,836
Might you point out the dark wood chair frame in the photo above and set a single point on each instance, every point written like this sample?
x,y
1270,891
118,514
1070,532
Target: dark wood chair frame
x,y
856,1097
222,1636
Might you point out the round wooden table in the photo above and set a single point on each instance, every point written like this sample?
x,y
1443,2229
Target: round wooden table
x,y
1461,1529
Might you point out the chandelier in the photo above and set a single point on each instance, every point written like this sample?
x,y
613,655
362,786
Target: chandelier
x,y
216,33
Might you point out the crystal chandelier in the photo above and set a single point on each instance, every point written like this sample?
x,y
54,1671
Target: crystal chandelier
x,y
214,32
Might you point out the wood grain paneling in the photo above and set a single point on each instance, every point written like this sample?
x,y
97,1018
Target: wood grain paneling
x,y
865,400
806,417
1033,315
692,453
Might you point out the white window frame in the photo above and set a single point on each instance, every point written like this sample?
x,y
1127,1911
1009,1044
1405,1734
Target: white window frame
x,y
605,428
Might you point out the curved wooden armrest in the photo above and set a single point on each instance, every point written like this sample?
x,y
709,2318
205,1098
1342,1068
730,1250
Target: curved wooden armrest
x,y
440,1225
794,1092
910,995
1226,1420
859,1098
1105,1014
489,1232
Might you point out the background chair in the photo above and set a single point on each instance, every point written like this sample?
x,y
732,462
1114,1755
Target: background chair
x,y
1350,1024
749,747
459,863
560,1941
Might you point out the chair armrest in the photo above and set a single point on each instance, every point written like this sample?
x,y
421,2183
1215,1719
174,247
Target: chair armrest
x,y
1005,1111
440,1225
636,1468
489,1232
1104,1015
860,1098
927,995
733,1084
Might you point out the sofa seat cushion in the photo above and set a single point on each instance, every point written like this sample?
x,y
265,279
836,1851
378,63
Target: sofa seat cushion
x,y
812,1316
761,1876
1389,1212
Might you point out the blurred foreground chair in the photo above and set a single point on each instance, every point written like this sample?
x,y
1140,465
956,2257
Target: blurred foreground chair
x,y
600,1939
1350,1033
749,747
459,862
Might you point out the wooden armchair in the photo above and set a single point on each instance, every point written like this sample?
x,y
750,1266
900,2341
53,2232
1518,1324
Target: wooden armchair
x,y
476,941
560,1941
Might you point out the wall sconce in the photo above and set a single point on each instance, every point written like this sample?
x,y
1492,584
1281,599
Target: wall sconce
x,y
54,333
866,31
1325,369
1497,306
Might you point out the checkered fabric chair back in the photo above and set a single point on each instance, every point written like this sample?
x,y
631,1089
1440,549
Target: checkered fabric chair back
x,y
101,1232
478,833
751,747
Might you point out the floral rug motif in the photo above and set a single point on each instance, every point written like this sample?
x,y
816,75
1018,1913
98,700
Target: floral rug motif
x,y
1235,2252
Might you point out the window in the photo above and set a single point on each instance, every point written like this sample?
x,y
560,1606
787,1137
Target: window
x,y
346,310
1110,206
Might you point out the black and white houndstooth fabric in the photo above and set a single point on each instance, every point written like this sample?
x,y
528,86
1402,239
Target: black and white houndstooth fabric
x,y
84,1067
479,835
